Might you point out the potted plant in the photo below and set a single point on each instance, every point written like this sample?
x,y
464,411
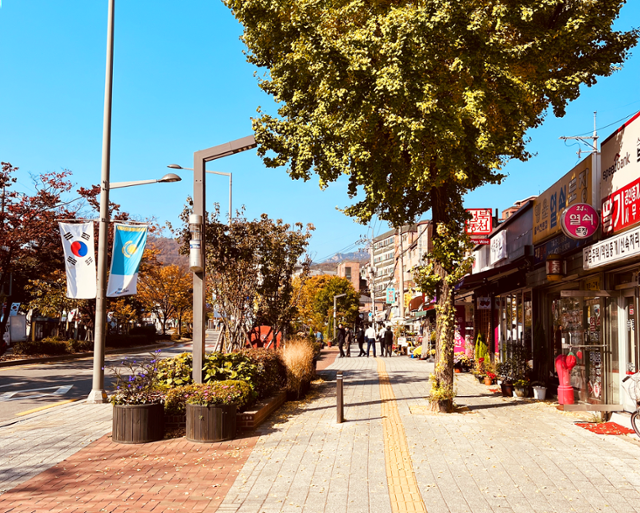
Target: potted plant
x,y
488,378
138,412
520,387
539,390
211,409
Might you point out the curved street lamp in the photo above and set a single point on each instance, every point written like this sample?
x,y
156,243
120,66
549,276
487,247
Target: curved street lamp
x,y
178,166
98,393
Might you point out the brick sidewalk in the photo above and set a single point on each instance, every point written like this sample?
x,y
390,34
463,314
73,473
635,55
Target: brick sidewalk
x,y
170,475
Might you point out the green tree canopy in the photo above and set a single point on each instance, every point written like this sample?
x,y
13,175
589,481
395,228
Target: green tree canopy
x,y
406,97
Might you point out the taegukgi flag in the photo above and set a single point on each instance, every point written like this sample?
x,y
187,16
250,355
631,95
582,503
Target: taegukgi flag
x,y
79,258
128,245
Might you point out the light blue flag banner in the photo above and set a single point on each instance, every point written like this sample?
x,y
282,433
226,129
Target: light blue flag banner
x,y
128,246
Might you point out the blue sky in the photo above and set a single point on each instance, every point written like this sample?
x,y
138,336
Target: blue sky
x,y
181,84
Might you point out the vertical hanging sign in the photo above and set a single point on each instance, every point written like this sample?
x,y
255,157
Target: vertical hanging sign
x,y
128,247
78,245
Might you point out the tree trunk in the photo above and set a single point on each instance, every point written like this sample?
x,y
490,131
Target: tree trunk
x,y
442,390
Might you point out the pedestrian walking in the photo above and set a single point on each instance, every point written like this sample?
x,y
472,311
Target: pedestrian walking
x,y
348,338
360,340
341,340
370,336
388,341
320,339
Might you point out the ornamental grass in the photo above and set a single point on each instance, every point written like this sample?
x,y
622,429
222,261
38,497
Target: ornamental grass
x,y
297,356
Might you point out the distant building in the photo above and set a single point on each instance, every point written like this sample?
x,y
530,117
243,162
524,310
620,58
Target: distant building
x,y
351,271
413,241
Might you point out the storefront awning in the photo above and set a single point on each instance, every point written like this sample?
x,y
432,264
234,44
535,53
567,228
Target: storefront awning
x,y
474,281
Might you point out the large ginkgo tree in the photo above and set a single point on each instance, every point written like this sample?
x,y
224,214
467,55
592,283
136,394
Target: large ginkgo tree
x,y
419,102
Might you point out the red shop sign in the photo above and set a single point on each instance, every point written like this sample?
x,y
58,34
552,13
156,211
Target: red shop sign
x,y
622,208
579,221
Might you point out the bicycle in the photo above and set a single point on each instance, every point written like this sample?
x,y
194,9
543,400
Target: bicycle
x,y
633,389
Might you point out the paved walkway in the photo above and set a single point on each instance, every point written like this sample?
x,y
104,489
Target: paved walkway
x,y
495,455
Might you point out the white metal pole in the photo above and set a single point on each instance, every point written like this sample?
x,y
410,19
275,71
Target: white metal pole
x,y
98,393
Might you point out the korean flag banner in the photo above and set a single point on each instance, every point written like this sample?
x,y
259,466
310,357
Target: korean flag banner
x,y
128,246
79,259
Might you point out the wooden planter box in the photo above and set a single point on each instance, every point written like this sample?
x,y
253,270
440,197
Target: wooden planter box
x,y
211,423
137,423
251,419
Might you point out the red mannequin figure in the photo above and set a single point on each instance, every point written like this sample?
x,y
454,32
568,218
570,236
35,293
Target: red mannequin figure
x,y
563,367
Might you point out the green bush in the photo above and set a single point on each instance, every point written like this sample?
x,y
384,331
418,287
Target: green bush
x,y
126,340
48,346
74,346
225,366
271,375
262,369
175,371
227,392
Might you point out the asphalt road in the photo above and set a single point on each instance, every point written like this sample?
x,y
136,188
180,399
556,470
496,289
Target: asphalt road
x,y
28,387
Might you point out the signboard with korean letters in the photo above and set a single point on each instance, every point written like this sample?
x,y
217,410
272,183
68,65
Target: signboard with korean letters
x,y
619,247
480,225
498,247
572,188
620,180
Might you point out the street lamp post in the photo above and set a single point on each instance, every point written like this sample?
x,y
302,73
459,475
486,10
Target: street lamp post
x,y
334,313
200,158
98,393
178,166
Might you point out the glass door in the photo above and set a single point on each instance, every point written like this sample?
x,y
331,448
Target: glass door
x,y
630,348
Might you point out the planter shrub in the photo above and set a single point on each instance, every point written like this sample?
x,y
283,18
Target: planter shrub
x,y
239,393
175,371
271,373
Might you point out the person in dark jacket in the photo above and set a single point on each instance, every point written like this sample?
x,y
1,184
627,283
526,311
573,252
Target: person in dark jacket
x,y
348,338
360,339
388,341
341,340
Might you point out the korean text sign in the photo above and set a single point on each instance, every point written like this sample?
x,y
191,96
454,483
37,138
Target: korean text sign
x,y
572,188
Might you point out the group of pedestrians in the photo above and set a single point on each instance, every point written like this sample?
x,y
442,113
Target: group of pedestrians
x,y
384,336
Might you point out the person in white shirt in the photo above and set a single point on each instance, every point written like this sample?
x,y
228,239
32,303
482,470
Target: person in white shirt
x,y
370,335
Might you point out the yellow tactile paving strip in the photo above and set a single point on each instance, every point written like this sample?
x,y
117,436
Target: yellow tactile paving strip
x,y
403,487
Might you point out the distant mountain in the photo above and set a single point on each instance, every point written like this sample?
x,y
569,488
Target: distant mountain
x,y
169,251
355,256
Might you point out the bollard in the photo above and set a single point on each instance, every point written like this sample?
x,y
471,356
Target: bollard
x,y
340,397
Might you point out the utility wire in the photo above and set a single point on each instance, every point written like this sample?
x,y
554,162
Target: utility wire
x,y
607,126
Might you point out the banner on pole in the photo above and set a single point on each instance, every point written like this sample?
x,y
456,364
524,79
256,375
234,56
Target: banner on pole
x,y
128,246
79,258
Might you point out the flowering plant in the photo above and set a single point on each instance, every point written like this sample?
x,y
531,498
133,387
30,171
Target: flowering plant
x,y
217,393
491,375
461,359
521,383
138,387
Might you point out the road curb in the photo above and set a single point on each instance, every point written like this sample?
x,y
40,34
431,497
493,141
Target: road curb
x,y
79,356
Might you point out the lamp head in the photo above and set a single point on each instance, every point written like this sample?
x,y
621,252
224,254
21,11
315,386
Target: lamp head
x,y
170,177
174,166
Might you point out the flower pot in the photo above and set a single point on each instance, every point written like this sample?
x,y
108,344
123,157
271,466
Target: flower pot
x,y
457,370
519,392
488,381
137,423
539,393
211,423
507,390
